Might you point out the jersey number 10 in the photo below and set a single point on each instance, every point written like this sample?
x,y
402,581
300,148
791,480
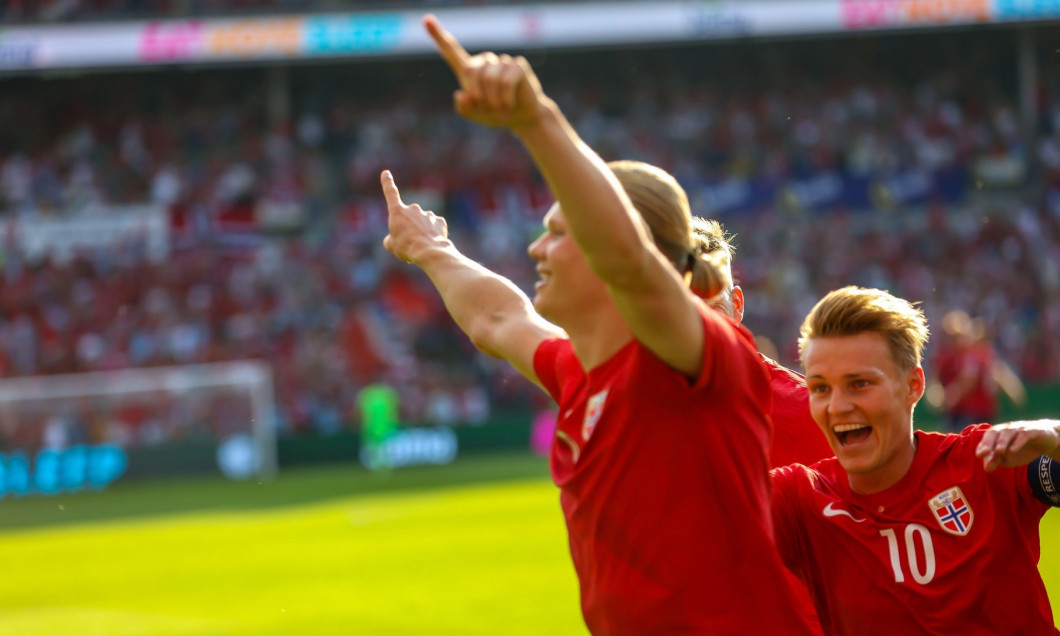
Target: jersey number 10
x,y
912,530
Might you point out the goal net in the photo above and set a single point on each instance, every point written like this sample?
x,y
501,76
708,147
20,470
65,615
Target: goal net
x,y
70,432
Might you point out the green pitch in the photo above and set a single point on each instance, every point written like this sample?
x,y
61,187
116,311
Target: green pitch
x,y
422,557
330,551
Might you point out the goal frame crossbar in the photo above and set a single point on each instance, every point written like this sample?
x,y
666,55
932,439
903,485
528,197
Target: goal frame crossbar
x,y
254,375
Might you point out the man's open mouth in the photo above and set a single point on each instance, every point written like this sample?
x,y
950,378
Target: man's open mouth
x,y
849,434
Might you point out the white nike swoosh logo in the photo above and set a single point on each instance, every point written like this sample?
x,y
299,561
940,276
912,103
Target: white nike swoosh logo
x,y
829,511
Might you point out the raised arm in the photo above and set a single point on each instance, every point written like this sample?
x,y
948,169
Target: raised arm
x,y
652,297
490,309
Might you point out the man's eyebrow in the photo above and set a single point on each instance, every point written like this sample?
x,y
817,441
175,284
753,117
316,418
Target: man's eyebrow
x,y
845,376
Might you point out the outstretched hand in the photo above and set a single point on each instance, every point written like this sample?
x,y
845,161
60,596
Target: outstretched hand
x,y
495,90
1017,443
413,230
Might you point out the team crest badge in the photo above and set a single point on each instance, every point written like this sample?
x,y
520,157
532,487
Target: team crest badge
x,y
593,410
952,511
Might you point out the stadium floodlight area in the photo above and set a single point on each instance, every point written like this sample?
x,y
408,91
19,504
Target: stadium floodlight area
x,y
72,431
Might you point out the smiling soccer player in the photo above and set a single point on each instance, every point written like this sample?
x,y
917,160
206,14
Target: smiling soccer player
x,y
908,532
661,447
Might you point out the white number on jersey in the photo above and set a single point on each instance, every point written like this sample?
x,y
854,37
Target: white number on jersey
x,y
923,577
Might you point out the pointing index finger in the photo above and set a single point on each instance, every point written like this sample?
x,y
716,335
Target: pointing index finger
x,y
390,189
454,54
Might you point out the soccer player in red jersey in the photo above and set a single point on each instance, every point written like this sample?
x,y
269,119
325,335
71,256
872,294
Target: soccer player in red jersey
x,y
909,532
660,451
970,373
796,438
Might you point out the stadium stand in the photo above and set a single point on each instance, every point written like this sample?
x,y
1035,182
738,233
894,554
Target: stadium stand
x,y
887,173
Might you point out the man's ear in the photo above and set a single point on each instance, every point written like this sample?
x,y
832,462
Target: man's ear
x,y
737,304
917,384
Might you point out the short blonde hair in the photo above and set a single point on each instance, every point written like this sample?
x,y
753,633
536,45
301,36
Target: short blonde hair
x,y
854,310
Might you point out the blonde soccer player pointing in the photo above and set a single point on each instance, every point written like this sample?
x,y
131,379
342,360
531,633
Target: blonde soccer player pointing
x,y
661,448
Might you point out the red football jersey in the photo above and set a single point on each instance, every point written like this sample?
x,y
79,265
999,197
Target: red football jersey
x,y
664,486
975,362
796,440
949,549
796,437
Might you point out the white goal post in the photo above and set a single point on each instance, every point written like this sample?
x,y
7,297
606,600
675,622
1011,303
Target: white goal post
x,y
212,401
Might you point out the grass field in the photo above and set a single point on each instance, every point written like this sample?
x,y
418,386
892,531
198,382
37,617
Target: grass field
x,y
320,551
474,548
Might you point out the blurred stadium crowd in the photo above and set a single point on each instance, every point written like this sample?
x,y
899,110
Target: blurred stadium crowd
x,y
865,169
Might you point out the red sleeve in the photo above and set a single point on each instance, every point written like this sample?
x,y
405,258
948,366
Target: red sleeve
x,y
730,354
545,365
786,526
796,437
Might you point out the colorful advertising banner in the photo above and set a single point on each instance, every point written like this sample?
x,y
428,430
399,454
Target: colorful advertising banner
x,y
52,471
1026,9
861,14
351,34
26,49
401,33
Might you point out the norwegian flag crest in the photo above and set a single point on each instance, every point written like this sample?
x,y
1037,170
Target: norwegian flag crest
x,y
952,511
593,410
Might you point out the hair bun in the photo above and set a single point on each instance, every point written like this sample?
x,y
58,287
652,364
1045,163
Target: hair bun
x,y
709,275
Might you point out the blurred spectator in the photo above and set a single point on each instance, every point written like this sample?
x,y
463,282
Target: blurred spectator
x,y
969,374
